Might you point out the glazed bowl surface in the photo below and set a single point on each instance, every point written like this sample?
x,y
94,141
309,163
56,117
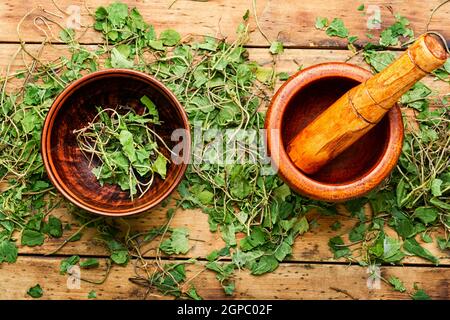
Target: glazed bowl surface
x,y
70,171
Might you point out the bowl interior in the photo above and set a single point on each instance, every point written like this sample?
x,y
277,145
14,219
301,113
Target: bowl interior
x,y
77,108
358,159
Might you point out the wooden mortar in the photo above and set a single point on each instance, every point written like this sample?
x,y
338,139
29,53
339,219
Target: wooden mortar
x,y
357,170
352,166
362,107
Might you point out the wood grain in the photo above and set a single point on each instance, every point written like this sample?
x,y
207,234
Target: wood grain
x,y
289,281
289,61
310,247
289,21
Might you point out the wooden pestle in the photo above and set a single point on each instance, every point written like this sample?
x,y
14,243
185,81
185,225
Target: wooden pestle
x,y
362,107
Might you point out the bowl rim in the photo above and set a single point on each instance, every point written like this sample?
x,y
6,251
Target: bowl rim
x,y
293,176
46,140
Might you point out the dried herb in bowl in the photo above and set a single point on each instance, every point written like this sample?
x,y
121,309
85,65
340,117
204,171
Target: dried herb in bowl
x,y
123,148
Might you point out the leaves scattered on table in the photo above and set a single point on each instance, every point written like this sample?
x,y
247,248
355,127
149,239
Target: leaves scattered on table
x,y
413,202
222,90
178,243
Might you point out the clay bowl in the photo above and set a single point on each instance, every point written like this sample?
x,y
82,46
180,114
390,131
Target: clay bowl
x,y
357,170
68,168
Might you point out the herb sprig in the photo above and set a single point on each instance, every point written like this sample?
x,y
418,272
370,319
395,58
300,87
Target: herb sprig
x,y
221,89
126,147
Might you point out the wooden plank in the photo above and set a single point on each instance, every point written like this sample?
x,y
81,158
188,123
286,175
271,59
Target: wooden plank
x,y
289,281
290,21
289,61
310,247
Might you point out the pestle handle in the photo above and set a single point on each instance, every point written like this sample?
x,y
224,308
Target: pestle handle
x,y
363,106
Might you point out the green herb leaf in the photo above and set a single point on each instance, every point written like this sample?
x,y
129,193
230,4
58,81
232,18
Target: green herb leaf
x,y
443,244
229,288
264,75
246,15
117,13
192,293
276,47
440,204
118,60
301,226
67,35
337,29
151,107
420,294
416,97
321,23
35,292
120,257
53,227
426,237
390,36
357,233
392,250
436,187
156,44
426,214
8,251
387,38
397,284
352,39
205,197
336,246
283,250
283,76
282,192
126,140
89,263
178,242
264,265
160,166
228,234
413,247
32,238
170,37
403,225
256,238
378,60
101,13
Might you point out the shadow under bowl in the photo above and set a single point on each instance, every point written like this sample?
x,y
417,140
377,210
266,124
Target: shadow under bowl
x,y
357,170
75,107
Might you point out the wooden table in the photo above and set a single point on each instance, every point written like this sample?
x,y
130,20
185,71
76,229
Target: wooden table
x,y
312,273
